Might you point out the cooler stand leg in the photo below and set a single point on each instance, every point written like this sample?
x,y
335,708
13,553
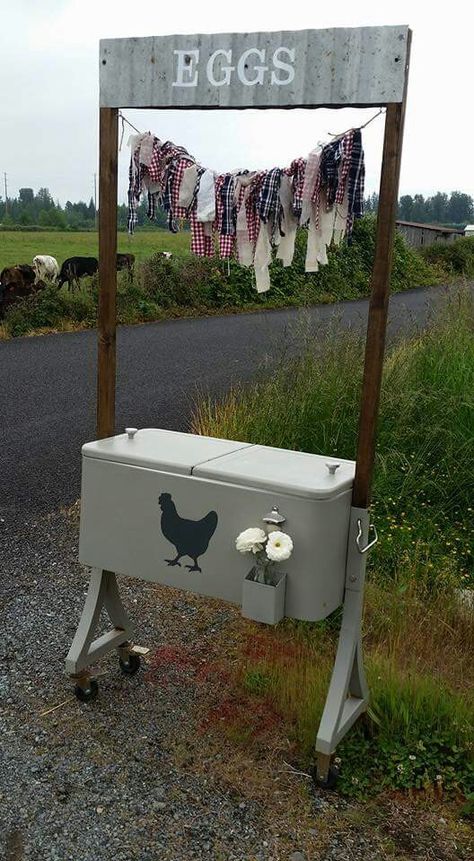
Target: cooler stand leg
x,y
348,694
103,592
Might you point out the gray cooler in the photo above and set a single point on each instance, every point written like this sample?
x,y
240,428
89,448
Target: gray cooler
x,y
167,507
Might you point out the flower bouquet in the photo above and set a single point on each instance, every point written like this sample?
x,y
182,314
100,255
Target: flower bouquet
x,y
263,596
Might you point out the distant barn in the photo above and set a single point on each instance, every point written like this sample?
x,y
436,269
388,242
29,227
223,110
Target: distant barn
x,y
420,235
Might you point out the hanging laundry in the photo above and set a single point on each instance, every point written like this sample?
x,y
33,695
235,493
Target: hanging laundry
x,y
206,197
245,213
288,223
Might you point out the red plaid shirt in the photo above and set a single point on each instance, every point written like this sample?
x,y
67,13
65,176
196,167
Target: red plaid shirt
x,y
251,207
226,242
346,153
201,244
297,170
178,169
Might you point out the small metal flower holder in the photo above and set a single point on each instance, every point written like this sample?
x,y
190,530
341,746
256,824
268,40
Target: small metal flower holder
x,y
264,602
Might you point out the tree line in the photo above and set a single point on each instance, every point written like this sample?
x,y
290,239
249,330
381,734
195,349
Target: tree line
x,y
453,210
30,209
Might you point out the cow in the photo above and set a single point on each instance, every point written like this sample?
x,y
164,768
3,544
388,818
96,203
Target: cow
x,y
126,261
75,268
17,282
45,266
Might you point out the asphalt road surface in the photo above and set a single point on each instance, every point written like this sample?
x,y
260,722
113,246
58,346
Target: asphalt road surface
x,y
48,384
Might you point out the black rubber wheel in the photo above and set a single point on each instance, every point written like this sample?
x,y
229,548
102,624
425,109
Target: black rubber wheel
x,y
86,695
331,780
131,665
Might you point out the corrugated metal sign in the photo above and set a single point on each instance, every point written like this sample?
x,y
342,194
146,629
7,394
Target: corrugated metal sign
x,y
304,68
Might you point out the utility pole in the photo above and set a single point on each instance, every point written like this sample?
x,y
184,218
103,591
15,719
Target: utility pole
x,y
6,192
95,199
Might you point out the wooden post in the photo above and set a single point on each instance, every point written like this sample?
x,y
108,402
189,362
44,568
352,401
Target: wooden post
x,y
378,307
106,362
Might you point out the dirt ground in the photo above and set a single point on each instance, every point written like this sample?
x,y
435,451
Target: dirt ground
x,y
159,765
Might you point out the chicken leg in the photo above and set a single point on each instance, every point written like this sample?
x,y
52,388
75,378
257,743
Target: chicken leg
x,y
194,567
175,561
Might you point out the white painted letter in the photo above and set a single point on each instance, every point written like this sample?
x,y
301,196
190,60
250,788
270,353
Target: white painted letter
x,y
260,70
185,67
226,69
285,67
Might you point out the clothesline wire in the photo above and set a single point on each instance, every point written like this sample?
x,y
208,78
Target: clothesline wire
x,y
357,128
331,134
124,120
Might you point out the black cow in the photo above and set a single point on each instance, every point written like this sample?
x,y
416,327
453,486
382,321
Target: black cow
x,y
75,268
126,261
16,282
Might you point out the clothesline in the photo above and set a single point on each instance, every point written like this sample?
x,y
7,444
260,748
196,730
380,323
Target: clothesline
x,y
252,211
331,134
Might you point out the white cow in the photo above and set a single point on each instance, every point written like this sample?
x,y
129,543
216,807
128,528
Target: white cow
x,y
45,266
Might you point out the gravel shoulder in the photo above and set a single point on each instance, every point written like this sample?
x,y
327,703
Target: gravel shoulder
x,y
144,772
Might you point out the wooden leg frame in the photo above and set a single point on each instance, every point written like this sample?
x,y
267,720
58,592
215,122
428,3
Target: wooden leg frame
x,y
103,593
348,694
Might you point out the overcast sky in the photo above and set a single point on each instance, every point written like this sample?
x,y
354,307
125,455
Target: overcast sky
x,y
49,91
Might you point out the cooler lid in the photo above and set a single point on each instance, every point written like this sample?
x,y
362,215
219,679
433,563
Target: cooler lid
x,y
275,469
165,450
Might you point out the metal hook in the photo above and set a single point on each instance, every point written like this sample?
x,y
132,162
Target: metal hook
x,y
359,536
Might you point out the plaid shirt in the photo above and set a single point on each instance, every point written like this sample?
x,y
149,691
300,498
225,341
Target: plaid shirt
x,y
342,170
163,174
297,170
174,177
202,243
269,206
251,207
329,170
228,212
226,240
355,181
346,155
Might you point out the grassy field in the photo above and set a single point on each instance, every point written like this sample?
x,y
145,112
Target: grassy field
x,y
21,247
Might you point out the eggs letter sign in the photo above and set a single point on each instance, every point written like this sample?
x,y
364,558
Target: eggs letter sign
x,y
251,68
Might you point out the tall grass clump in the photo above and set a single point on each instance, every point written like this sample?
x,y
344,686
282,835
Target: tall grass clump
x,y
424,473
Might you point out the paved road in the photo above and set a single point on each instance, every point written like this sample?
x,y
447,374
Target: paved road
x,y
47,384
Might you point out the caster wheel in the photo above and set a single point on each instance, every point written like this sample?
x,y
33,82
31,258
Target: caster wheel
x,y
86,695
131,665
331,780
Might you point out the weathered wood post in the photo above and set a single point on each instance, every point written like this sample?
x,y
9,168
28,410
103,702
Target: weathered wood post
x,y
106,359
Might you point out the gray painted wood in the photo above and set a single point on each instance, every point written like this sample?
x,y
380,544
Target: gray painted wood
x,y
305,68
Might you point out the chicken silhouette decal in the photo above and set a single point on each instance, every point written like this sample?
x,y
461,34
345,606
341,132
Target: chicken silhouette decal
x,y
190,537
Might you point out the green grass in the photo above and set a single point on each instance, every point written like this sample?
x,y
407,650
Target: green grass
x,y
424,473
22,246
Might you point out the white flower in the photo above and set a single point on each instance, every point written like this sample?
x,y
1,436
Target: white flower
x,y
250,540
279,546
